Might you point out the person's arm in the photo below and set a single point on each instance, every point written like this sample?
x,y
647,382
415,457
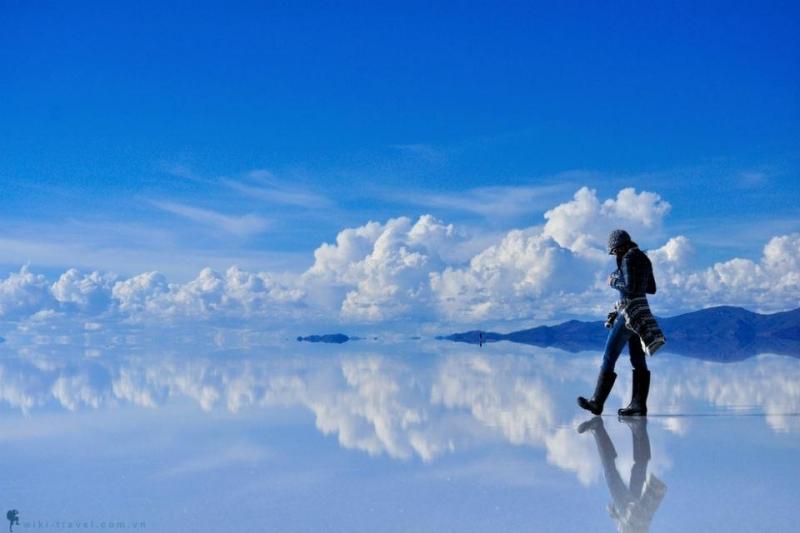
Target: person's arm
x,y
651,285
626,282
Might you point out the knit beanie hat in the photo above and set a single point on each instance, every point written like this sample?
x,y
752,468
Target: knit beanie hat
x,y
617,238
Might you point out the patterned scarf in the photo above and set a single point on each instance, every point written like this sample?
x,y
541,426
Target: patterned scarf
x,y
640,320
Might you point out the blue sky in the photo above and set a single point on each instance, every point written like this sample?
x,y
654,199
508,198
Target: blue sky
x,y
172,137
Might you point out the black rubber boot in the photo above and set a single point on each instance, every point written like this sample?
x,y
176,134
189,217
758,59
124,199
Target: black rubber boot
x,y
641,388
601,391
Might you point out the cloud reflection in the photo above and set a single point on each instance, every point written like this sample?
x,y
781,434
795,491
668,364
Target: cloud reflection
x,y
407,407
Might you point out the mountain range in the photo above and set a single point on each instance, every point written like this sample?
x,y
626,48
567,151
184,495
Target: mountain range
x,y
724,333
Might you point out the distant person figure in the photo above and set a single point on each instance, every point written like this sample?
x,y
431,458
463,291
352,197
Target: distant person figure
x,y
634,505
13,519
631,323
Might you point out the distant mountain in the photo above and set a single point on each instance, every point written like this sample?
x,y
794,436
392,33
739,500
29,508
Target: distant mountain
x,y
723,333
333,338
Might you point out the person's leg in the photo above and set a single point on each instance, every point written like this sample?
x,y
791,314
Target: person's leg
x,y
636,351
641,380
616,340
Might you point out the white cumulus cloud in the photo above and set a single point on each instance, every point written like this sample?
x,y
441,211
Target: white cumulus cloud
x,y
24,293
583,224
770,284
518,277
88,292
383,270
417,269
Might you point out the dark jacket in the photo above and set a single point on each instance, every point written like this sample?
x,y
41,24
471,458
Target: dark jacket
x,y
634,277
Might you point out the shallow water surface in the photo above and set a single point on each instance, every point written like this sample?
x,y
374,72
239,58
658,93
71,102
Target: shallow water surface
x,y
406,436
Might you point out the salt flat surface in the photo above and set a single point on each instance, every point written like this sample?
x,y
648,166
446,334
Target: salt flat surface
x,y
390,436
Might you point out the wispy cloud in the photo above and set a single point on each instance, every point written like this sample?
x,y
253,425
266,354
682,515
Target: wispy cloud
x,y
261,185
275,192
241,226
185,173
490,202
132,248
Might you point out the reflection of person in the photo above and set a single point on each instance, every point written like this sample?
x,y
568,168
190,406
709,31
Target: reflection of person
x,y
634,505
631,323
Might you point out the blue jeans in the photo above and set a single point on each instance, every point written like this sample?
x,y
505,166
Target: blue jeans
x,y
617,338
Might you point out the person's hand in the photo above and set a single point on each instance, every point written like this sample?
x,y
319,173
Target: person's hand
x,y
611,280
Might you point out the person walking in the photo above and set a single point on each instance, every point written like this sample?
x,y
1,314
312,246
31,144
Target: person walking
x,y
631,323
